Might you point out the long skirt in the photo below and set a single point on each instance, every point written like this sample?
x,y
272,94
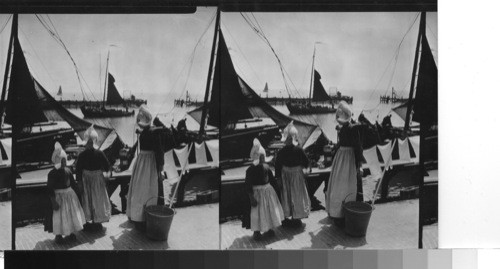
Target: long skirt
x,y
294,197
268,212
143,185
342,182
69,218
95,200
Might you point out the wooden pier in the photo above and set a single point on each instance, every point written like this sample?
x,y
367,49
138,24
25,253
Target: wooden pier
x,y
78,103
281,101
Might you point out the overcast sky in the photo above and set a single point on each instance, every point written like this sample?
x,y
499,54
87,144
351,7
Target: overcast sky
x,y
151,53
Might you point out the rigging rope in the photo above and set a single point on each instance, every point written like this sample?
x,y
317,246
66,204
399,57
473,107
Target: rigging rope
x,y
262,36
260,32
58,39
244,57
54,34
395,57
190,62
5,24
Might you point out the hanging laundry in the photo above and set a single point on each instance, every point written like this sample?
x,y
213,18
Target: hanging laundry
x,y
201,153
7,146
213,148
404,150
385,151
415,143
182,155
169,166
372,161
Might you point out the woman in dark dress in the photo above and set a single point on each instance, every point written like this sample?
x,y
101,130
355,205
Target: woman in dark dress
x,y
90,168
146,181
290,162
346,167
67,214
266,212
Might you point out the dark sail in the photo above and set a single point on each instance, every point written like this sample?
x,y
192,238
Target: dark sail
x,y
266,89
226,99
59,92
114,97
426,99
319,92
27,110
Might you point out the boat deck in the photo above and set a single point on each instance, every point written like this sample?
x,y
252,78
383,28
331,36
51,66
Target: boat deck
x,y
194,227
238,173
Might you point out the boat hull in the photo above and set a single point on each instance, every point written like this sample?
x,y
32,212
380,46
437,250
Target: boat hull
x,y
37,148
236,145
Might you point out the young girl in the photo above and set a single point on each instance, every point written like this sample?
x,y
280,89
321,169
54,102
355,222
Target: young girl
x,y
266,212
290,162
67,214
91,165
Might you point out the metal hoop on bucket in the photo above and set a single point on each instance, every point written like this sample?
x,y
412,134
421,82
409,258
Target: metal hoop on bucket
x,y
364,195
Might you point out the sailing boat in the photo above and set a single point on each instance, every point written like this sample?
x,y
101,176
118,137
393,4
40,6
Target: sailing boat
x,y
114,99
319,95
266,90
38,120
238,111
59,93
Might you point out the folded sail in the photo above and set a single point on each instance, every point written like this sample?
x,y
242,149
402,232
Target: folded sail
x,y
114,97
319,92
426,99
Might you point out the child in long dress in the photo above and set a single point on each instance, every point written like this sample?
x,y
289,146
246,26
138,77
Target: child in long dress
x,y
67,213
266,212
290,162
90,168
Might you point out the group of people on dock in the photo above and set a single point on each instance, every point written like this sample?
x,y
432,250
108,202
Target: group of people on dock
x,y
84,204
283,200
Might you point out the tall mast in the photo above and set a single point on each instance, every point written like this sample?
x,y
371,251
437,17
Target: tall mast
x,y
421,32
13,33
210,70
105,82
312,75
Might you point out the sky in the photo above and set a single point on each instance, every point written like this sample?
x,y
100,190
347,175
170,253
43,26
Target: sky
x,y
151,54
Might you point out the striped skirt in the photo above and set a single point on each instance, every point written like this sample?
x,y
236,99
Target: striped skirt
x,y
268,213
95,200
69,218
342,182
294,197
143,185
